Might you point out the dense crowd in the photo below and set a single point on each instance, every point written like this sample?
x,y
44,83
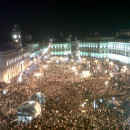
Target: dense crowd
x,y
72,102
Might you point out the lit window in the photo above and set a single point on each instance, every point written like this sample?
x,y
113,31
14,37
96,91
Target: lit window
x,y
19,36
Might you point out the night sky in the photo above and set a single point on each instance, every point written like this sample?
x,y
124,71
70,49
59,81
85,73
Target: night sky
x,y
48,18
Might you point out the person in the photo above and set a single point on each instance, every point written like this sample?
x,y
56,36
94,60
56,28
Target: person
x,y
65,92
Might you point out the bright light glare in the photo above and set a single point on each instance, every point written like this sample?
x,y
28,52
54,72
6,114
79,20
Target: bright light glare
x,y
98,67
48,61
45,66
31,102
105,71
83,111
8,81
86,74
20,79
96,61
82,105
113,98
74,68
100,100
86,100
111,63
38,74
125,67
94,104
14,36
111,74
106,83
4,92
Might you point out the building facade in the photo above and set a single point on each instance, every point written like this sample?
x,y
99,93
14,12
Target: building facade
x,y
61,48
12,62
103,48
92,47
119,53
16,58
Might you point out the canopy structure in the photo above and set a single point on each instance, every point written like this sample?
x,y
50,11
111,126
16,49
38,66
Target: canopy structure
x,y
40,97
28,110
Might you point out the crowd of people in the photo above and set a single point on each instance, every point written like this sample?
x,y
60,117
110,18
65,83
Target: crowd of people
x,y
73,102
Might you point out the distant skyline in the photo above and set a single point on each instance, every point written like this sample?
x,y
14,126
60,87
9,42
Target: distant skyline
x,y
48,18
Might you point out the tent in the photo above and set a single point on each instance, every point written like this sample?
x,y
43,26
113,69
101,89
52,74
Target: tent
x,y
28,110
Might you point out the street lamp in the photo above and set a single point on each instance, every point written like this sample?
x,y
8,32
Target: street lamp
x,y
45,66
38,74
82,105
